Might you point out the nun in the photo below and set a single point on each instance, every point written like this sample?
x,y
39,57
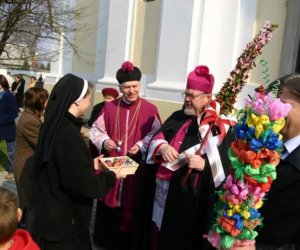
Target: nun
x,y
64,184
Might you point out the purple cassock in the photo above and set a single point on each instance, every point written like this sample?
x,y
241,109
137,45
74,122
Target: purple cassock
x,y
127,125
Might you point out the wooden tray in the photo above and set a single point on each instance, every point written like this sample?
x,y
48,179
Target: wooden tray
x,y
129,165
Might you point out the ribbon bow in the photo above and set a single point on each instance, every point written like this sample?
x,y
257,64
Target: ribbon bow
x,y
212,117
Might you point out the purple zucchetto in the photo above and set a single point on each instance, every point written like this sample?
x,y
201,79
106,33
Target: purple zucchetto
x,y
200,79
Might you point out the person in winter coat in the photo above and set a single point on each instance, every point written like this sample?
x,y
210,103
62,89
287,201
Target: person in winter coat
x,y
28,129
8,114
64,183
17,88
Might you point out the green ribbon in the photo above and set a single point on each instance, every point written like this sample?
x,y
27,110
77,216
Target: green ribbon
x,y
251,171
227,241
268,170
239,168
248,234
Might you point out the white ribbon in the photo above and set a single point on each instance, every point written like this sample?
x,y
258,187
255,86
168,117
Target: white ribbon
x,y
181,160
212,153
84,90
214,159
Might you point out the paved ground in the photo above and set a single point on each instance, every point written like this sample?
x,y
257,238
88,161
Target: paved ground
x,y
11,185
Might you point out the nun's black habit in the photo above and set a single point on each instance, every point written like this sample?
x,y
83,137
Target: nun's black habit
x,y
64,182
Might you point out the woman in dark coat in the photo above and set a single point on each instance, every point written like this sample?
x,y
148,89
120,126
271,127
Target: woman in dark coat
x,y
64,182
8,114
28,129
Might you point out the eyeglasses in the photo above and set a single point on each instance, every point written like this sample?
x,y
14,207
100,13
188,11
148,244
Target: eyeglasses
x,y
191,96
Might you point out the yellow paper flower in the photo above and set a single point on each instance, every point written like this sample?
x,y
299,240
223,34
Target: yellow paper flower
x,y
252,120
229,212
245,214
278,125
258,130
259,122
237,209
264,119
230,204
259,204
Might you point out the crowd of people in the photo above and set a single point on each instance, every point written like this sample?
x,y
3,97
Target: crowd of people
x,y
12,95
168,202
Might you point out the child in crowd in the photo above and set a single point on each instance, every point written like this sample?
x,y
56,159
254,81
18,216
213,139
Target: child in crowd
x,y
12,238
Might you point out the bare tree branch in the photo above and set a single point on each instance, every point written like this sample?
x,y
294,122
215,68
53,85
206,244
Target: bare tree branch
x,y
31,27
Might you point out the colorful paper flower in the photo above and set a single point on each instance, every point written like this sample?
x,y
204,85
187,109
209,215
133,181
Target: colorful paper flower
x,y
254,157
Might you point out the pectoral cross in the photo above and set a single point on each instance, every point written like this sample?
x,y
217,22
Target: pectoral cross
x,y
119,146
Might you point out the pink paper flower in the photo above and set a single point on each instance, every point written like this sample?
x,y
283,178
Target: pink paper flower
x,y
214,239
228,183
248,101
236,191
259,107
256,192
279,109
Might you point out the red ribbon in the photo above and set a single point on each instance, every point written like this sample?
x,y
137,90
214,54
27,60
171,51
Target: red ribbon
x,y
212,119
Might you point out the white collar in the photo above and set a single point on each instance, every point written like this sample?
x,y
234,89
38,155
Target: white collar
x,y
292,144
127,102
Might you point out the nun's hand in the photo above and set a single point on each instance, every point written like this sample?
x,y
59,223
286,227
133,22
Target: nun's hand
x,y
97,164
109,145
168,153
119,173
196,162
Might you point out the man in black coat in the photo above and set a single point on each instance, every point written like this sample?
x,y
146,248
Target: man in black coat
x,y
18,89
281,209
189,161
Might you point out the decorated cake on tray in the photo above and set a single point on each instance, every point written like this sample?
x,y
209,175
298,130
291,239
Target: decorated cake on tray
x,y
129,165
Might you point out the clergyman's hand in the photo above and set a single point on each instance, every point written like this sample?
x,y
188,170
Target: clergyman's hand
x,y
134,149
109,145
196,162
168,153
